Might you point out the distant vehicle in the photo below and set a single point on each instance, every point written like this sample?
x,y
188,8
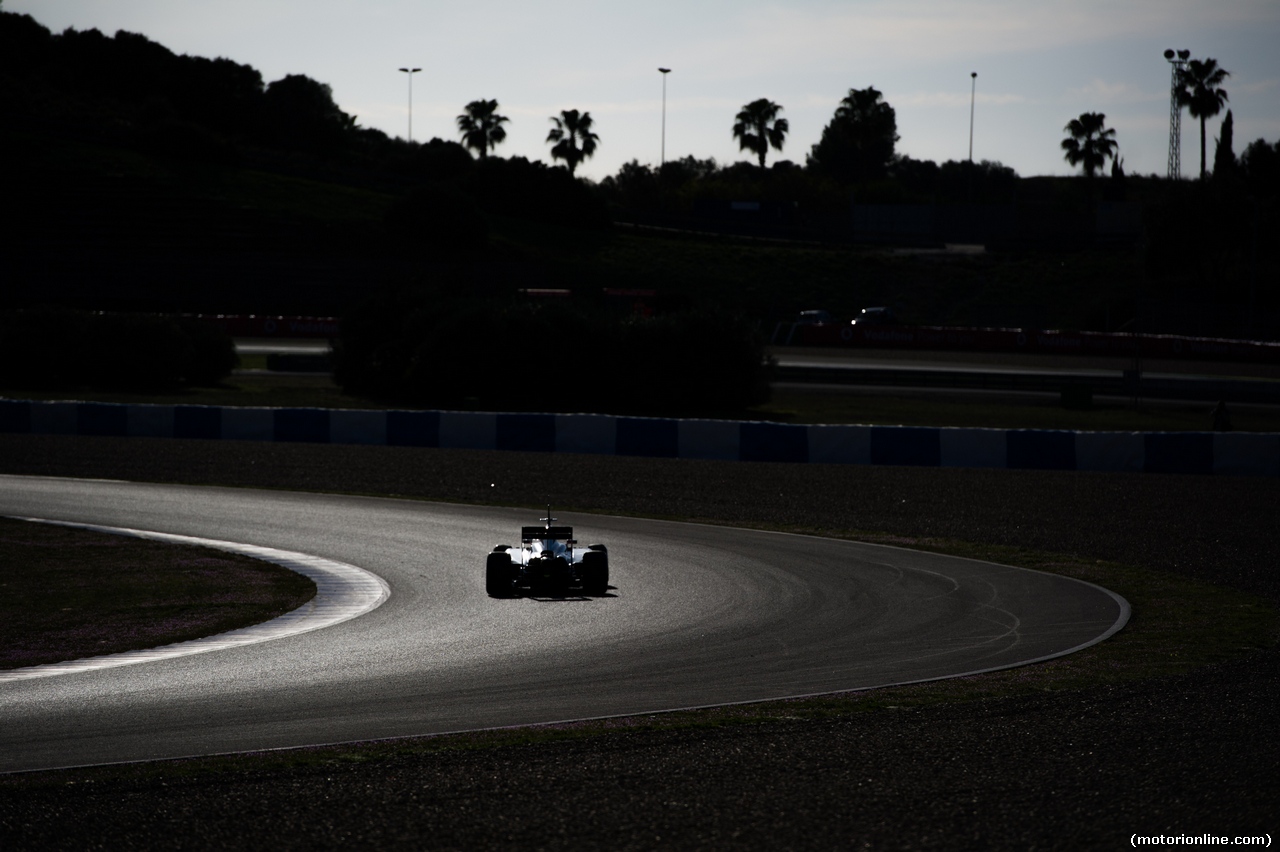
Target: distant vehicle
x,y
875,316
813,318
547,561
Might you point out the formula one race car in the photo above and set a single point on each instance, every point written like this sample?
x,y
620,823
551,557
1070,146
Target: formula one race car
x,y
549,562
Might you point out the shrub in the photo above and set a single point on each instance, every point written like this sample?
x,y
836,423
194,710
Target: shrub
x,y
213,353
521,189
437,220
557,355
52,348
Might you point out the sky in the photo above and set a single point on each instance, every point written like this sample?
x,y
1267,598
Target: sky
x,y
1039,63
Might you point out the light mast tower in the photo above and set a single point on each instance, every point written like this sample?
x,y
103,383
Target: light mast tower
x,y
1178,60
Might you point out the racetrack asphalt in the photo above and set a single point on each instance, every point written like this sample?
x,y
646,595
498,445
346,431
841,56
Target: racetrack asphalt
x,y
1081,769
700,615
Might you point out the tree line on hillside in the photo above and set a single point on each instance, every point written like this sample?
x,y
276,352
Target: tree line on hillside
x,y
129,82
127,91
135,90
1205,240
1198,88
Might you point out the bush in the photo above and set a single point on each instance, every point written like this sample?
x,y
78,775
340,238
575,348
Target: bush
x,y
556,356
212,356
53,349
439,221
521,189
41,348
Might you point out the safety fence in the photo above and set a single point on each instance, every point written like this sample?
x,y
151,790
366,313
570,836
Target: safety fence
x,y
1223,453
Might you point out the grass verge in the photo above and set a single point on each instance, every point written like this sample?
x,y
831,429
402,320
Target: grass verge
x,y
68,593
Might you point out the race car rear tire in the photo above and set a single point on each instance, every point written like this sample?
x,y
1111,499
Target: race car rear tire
x,y
595,572
498,576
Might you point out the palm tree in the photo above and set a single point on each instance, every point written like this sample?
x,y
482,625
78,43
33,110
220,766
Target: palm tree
x,y
1090,143
1199,89
758,126
570,130
481,126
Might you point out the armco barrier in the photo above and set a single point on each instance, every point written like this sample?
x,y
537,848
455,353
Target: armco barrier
x,y
1230,453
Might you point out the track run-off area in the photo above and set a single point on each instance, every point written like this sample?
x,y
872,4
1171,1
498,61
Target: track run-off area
x,y
697,616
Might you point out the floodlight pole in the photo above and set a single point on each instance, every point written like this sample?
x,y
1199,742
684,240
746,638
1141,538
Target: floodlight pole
x,y
665,72
1178,60
973,94
411,72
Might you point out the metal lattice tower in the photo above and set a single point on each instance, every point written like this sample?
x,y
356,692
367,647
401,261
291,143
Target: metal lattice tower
x,y
1178,60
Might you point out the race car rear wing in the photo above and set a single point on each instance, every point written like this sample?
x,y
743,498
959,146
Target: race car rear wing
x,y
536,533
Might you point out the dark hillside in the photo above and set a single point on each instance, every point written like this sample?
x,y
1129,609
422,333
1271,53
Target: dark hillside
x,y
114,230
140,179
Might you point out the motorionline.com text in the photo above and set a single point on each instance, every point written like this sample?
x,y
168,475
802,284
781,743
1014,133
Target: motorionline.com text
x,y
1263,840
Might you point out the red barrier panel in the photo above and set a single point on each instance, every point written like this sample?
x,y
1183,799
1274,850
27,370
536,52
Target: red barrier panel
x,y
1035,340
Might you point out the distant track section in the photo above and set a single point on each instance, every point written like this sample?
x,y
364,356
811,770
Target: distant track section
x,y
1093,382
1023,340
